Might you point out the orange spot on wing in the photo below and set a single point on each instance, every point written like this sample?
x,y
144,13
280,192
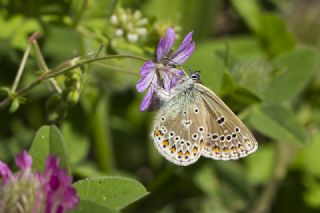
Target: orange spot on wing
x,y
165,143
216,149
173,149
226,150
157,133
195,149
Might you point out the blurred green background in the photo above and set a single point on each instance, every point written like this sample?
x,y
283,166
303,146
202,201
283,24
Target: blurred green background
x,y
261,57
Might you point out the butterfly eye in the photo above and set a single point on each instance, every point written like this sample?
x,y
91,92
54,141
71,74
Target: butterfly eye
x,y
200,129
229,137
222,138
195,76
162,119
237,129
234,135
196,110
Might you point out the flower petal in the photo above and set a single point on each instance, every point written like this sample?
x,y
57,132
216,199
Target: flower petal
x,y
145,82
185,43
24,160
52,163
165,45
181,57
5,172
146,102
171,77
147,67
60,195
70,197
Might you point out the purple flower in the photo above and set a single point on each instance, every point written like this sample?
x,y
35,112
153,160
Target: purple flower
x,y
27,191
161,72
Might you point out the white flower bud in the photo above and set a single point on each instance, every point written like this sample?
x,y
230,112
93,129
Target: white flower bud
x,y
129,26
114,20
123,17
142,22
119,32
141,31
137,15
132,37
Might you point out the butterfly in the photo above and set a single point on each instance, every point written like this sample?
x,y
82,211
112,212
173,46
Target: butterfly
x,y
193,121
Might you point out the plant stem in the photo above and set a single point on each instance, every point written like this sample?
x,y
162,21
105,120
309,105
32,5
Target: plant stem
x,y
116,69
21,68
58,71
43,65
62,69
100,129
284,155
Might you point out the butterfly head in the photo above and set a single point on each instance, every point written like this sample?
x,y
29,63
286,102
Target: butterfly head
x,y
195,76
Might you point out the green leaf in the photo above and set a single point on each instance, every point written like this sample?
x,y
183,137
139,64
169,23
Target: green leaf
x,y
252,73
48,140
260,164
299,65
87,206
228,84
17,29
278,123
14,105
309,156
276,38
114,193
206,180
76,142
271,29
250,11
245,96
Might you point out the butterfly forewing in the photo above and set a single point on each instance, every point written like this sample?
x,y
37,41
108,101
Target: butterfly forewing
x,y
193,121
179,130
227,137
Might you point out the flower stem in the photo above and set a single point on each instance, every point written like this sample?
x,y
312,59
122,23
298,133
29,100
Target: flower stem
x,y
21,68
43,66
59,70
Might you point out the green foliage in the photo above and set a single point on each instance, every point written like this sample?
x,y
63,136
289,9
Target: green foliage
x,y
261,57
279,123
299,67
48,141
114,193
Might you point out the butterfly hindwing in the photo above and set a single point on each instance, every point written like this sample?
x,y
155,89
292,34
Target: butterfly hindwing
x,y
179,132
227,137
193,121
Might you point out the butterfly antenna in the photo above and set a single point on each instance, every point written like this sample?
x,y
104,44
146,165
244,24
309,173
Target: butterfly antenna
x,y
181,65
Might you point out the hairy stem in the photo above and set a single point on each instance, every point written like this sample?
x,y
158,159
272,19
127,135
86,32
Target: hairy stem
x,y
21,68
62,69
43,66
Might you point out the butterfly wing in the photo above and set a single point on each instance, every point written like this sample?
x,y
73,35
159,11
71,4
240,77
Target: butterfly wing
x,y
227,137
179,129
